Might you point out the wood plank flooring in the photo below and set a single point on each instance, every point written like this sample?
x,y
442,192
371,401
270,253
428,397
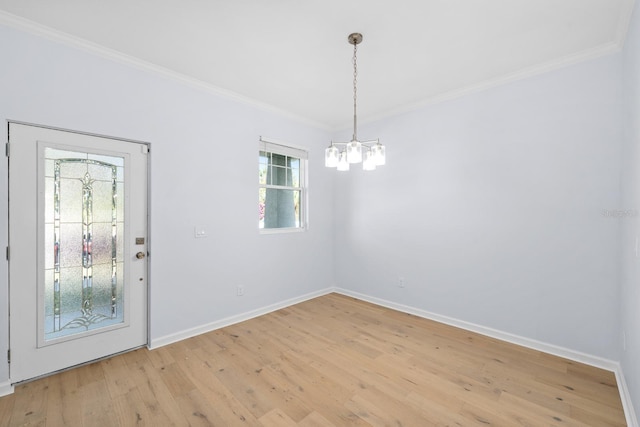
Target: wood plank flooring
x,y
330,361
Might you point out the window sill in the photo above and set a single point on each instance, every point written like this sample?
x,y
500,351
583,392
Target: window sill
x,y
281,230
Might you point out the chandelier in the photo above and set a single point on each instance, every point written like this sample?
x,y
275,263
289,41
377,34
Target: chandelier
x,y
369,153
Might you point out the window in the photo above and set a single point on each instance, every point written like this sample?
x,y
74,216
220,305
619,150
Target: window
x,y
282,187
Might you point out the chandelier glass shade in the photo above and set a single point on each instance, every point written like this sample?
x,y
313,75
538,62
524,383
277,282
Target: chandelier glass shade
x,y
343,164
354,152
331,156
341,154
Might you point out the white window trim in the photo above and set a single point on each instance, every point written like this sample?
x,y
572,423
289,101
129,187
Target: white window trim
x,y
282,230
302,153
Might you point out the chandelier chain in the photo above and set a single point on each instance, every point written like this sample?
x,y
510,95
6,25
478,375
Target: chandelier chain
x,y
355,91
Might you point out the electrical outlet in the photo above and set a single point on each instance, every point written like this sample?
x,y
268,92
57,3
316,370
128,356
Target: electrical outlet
x,y
401,282
624,341
240,290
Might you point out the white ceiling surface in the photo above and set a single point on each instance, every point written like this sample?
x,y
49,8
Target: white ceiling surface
x,y
293,55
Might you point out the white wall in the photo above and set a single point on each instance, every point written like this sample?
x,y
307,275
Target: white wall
x,y
631,200
203,172
490,206
491,209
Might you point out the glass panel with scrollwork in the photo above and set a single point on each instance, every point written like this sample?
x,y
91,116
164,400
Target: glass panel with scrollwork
x,y
83,256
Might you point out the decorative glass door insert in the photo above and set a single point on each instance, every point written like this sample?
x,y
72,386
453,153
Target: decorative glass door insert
x,y
83,244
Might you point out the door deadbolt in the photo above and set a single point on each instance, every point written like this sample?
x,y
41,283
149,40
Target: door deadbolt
x,y
140,255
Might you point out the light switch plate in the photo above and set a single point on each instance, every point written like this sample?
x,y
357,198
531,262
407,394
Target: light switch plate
x,y
200,232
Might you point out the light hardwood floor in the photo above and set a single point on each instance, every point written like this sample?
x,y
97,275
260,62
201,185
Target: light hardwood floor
x,y
331,361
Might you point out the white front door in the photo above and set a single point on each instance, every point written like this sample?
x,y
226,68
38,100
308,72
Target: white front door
x,y
77,248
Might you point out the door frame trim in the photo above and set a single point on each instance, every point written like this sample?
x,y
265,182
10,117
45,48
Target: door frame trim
x,y
97,135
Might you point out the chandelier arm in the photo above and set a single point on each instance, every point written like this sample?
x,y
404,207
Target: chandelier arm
x,y
370,143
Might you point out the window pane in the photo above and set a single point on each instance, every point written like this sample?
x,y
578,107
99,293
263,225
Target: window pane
x,y
278,176
263,159
278,159
289,177
262,174
282,208
296,206
261,206
295,173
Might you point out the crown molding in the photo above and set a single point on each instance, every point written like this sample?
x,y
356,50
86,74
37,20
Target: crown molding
x,y
614,46
609,48
624,23
566,61
61,37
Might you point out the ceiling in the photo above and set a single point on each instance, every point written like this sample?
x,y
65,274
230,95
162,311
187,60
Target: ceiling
x,y
293,55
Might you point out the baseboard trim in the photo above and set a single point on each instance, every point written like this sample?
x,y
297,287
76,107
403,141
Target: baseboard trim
x,y
566,353
6,388
188,333
627,403
577,356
